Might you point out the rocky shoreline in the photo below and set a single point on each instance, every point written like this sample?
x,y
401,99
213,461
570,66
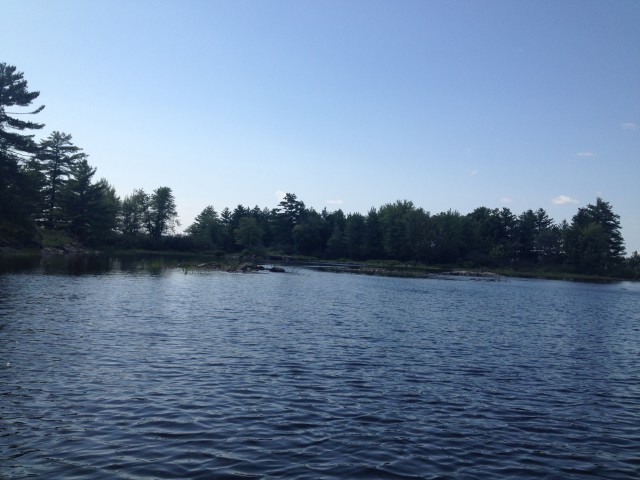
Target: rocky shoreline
x,y
246,267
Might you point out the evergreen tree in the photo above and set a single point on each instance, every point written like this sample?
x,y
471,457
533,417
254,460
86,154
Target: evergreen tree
x,y
394,218
484,232
448,240
248,234
548,239
292,208
79,199
289,213
633,265
238,214
309,235
419,234
232,223
548,245
207,228
373,236
262,217
35,185
16,187
227,240
354,234
89,208
507,245
58,157
106,219
594,241
225,216
526,234
336,246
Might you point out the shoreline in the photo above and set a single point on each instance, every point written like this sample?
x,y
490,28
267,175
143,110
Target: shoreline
x,y
395,269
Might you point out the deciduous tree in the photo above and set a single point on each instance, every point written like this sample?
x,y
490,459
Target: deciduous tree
x,y
133,213
163,216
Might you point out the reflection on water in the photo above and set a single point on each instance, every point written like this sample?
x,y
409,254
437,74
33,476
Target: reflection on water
x,y
61,264
91,264
128,374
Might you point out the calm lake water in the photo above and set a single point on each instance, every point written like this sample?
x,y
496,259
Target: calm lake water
x,y
305,375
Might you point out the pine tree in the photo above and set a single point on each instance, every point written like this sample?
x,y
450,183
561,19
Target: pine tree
x,y
373,237
89,209
248,234
354,235
594,240
16,202
57,157
206,227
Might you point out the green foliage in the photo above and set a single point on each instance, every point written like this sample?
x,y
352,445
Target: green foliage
x,y
394,218
14,92
373,238
55,238
207,228
593,241
309,235
633,266
51,184
289,213
248,234
134,213
355,231
57,158
162,216
448,243
154,215
401,232
90,209
291,208
18,204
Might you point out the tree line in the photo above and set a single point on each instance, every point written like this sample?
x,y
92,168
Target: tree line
x,y
48,188
591,243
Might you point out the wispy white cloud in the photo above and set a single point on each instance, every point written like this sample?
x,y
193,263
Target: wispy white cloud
x,y
472,172
586,154
334,202
506,200
630,126
563,200
280,195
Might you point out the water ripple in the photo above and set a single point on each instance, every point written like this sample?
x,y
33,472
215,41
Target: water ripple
x,y
317,376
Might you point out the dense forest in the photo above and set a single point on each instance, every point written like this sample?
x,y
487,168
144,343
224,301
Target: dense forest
x,y
48,191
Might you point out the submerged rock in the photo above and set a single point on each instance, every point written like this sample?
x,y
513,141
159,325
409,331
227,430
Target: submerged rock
x,y
246,267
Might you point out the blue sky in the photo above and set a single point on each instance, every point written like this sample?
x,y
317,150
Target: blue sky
x,y
347,104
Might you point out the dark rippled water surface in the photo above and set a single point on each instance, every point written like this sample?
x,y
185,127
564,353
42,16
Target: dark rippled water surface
x,y
309,375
